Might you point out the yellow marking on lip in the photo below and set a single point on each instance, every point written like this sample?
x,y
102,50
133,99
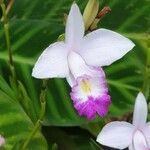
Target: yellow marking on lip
x,y
85,86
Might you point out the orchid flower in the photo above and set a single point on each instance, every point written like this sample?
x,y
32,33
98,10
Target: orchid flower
x,y
79,59
2,141
121,134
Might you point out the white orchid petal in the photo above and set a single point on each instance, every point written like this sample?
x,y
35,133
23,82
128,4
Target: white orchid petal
x,y
71,79
131,147
139,141
140,111
116,135
78,66
102,47
52,62
74,27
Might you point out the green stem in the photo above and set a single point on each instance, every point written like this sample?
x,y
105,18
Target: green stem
x,y
1,1
9,6
35,129
146,83
8,43
37,126
42,99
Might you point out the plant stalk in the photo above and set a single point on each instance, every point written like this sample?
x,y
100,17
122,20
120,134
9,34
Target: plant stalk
x,y
37,126
7,37
146,83
9,6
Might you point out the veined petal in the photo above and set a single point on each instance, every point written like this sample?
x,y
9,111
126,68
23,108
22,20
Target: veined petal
x,y
74,27
140,111
78,67
52,62
139,141
116,135
2,141
102,47
90,96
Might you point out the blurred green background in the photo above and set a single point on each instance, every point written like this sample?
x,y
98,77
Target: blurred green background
x,y
34,25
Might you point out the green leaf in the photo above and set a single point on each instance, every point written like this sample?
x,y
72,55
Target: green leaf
x,y
15,123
